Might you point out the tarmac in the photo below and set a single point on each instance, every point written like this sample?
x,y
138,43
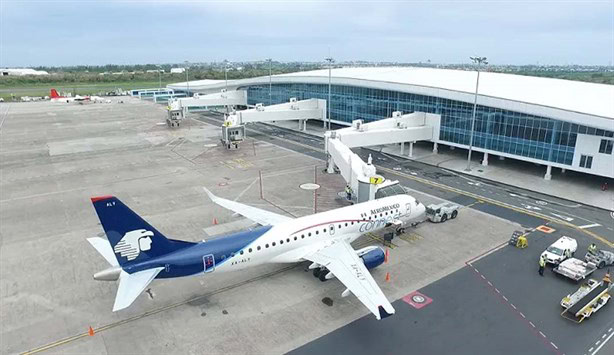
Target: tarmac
x,y
54,157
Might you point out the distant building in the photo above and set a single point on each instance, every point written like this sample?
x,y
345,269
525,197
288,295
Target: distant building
x,y
177,70
21,72
155,71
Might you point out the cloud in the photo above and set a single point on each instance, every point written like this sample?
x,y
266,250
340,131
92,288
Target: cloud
x,y
96,32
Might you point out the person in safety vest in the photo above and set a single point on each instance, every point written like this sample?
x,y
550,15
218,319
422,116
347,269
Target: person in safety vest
x,y
542,265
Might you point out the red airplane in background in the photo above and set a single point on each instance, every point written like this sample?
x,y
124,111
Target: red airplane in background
x,y
55,97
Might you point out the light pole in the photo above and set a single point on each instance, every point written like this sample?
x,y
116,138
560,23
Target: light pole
x,y
270,79
160,79
187,82
478,61
330,61
226,73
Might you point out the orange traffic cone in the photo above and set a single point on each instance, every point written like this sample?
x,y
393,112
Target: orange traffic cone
x,y
387,277
386,257
214,220
91,331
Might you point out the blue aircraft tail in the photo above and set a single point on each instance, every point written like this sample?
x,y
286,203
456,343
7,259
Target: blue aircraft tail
x,y
132,238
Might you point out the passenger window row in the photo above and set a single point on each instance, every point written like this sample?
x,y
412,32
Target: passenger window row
x,y
317,232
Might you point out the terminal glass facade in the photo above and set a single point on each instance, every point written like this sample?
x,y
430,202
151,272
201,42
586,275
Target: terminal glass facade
x,y
495,129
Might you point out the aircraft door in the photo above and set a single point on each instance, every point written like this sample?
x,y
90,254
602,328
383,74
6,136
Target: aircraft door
x,y
408,209
331,227
209,263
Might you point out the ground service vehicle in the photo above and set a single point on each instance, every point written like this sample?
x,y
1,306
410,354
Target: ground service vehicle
x,y
563,248
601,258
575,269
588,299
441,212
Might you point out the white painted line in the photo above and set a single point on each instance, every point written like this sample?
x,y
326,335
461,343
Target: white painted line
x,y
556,347
609,330
483,276
505,298
533,325
605,341
476,270
590,226
511,304
603,336
497,290
597,342
542,334
490,283
591,349
522,315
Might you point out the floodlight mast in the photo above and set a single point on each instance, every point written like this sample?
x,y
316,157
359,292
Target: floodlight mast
x,y
270,80
330,61
478,61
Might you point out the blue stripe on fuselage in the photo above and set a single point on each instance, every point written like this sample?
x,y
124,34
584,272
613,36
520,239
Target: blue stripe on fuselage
x,y
189,261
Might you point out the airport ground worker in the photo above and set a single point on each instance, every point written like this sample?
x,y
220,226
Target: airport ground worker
x,y
542,265
348,192
592,248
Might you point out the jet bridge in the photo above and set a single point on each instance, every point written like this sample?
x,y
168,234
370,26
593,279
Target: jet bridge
x,y
362,177
179,108
233,129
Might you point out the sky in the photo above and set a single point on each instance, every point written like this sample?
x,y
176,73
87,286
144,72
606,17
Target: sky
x,y
58,33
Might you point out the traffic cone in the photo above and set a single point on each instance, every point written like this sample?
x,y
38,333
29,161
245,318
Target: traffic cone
x,y
386,257
387,277
91,331
214,221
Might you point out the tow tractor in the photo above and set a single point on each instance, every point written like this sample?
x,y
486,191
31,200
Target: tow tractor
x,y
575,269
441,212
601,258
588,299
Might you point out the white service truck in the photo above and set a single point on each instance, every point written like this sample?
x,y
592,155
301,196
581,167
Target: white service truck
x,y
441,212
562,249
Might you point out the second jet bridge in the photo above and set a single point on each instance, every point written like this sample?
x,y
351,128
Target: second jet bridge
x,y
362,177
293,110
233,129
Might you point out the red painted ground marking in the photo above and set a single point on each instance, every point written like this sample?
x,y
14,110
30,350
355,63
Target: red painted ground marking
x,y
417,300
545,229
520,314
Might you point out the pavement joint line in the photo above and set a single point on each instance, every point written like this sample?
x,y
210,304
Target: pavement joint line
x,y
156,311
461,192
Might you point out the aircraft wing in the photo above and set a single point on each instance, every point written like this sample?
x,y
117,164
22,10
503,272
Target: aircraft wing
x,y
131,286
257,215
341,259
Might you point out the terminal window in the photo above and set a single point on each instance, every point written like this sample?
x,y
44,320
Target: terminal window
x,y
586,161
606,146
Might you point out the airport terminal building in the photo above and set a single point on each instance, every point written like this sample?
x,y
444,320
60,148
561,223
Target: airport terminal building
x,y
557,123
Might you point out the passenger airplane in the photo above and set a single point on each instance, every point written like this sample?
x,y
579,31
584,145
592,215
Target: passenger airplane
x,y
138,253
55,97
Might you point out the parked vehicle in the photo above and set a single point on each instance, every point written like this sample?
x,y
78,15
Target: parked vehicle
x,y
575,269
601,258
563,248
441,212
587,300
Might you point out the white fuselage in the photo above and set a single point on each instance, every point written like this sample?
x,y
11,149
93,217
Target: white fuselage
x,y
290,241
